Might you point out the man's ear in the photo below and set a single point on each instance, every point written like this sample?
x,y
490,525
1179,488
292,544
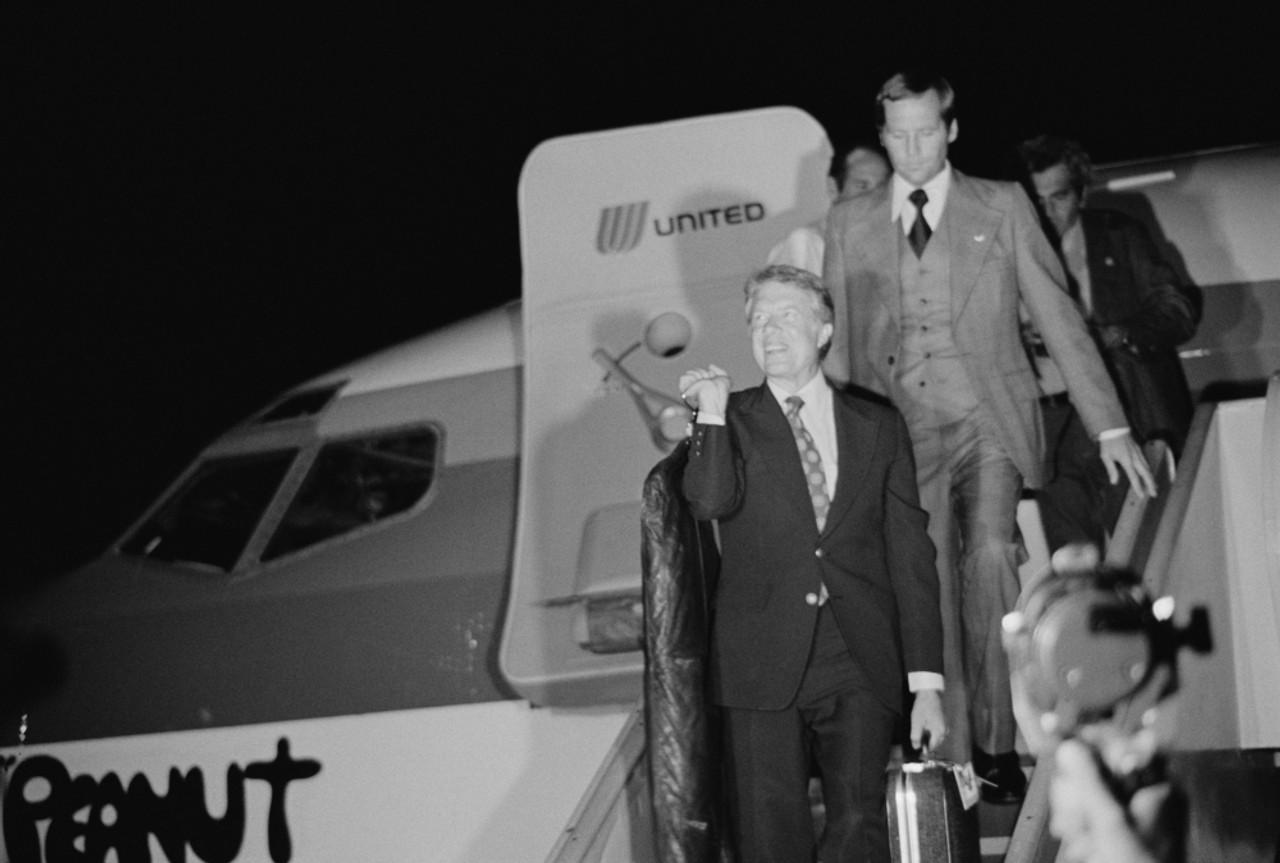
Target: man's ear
x,y
825,332
833,191
954,131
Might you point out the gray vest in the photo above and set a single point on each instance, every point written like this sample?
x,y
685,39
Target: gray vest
x,y
932,388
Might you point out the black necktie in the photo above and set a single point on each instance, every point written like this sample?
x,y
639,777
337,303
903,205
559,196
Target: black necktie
x,y
920,231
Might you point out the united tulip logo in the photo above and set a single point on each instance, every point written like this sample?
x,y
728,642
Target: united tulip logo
x,y
621,228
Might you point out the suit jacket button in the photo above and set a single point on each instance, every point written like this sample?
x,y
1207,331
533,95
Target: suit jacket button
x,y
811,598
817,552
890,360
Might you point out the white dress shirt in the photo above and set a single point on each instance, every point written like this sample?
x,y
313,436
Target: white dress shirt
x,y
819,420
1075,257
936,189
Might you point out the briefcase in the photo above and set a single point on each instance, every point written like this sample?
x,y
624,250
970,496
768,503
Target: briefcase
x,y
928,821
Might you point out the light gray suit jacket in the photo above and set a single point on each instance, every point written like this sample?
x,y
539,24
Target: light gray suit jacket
x,y
999,258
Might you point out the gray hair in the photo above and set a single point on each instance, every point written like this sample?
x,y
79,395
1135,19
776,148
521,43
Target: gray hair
x,y
788,275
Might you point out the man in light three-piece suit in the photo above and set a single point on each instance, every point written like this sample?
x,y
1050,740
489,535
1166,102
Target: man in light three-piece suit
x,y
827,601
927,273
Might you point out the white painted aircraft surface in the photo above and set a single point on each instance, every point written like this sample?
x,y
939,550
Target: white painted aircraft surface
x,y
1216,217
312,647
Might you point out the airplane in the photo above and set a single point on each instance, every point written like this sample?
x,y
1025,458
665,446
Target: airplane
x,y
396,614
1213,216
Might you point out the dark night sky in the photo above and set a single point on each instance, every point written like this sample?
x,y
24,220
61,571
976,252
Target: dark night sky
x,y
205,207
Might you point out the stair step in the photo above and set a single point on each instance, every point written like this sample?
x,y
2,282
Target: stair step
x,y
996,822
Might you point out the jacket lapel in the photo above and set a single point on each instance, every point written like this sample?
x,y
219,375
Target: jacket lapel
x,y
881,250
1101,252
772,436
972,227
874,251
856,439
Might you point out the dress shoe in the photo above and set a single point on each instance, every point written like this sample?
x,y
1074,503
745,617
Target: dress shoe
x,y
1000,776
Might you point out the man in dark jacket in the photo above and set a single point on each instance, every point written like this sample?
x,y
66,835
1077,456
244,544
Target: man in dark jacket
x,y
1138,313
826,608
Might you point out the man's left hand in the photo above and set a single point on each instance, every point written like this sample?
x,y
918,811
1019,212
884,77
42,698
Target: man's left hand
x,y
1123,453
926,715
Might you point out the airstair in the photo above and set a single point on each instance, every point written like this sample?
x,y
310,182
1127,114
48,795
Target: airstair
x,y
1212,539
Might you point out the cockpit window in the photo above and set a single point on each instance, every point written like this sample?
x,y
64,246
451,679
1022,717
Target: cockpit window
x,y
354,483
304,404
212,516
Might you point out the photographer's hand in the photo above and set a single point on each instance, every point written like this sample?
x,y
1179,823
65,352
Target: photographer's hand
x,y
1093,826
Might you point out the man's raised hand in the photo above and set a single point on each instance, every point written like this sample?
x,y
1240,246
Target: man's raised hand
x,y
706,390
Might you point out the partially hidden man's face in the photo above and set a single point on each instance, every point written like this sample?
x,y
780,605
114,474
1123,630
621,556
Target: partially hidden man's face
x,y
916,137
786,332
863,171
1058,200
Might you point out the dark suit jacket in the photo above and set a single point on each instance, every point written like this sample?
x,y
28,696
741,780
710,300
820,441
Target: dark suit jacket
x,y
1131,287
999,258
874,554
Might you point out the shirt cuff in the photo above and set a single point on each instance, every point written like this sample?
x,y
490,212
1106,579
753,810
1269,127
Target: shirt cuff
x,y
1113,433
918,681
707,419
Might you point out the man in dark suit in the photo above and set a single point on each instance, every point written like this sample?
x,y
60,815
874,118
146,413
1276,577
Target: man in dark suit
x,y
1138,314
827,600
928,272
